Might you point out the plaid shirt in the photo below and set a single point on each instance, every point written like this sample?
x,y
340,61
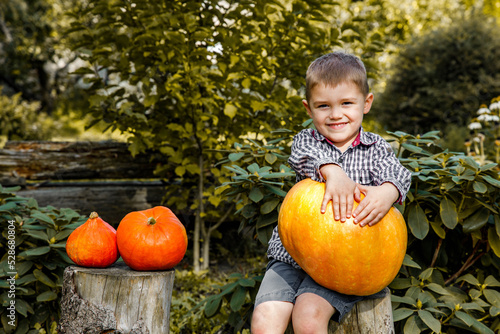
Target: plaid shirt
x,y
369,161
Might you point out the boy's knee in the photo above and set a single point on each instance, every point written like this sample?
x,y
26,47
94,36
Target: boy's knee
x,y
271,317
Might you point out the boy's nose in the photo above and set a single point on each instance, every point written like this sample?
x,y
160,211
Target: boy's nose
x,y
335,113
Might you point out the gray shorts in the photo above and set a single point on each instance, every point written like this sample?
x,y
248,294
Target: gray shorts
x,y
283,282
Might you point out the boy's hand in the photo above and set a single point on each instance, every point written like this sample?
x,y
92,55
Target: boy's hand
x,y
377,202
340,189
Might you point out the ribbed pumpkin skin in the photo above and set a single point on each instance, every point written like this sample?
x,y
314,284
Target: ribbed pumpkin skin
x,y
343,257
145,246
93,244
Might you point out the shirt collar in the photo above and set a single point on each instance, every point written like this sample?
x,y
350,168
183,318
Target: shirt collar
x,y
362,138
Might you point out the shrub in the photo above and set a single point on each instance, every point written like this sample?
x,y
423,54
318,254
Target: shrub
x,y
36,262
438,80
448,279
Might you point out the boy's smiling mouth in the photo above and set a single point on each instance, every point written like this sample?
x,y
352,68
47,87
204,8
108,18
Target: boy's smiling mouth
x,y
337,125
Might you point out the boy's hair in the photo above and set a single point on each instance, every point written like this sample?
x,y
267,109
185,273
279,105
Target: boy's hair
x,y
335,68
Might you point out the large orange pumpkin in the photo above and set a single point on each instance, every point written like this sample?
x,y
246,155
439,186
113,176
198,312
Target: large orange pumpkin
x,y
93,244
152,239
344,257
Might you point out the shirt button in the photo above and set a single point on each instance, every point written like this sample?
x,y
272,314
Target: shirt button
x,y
340,160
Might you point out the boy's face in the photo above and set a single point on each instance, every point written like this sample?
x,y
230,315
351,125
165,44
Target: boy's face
x,y
337,112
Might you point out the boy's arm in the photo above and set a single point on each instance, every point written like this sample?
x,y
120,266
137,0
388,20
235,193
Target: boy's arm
x,y
392,182
310,160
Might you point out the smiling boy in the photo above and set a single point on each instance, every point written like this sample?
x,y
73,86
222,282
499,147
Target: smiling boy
x,y
350,161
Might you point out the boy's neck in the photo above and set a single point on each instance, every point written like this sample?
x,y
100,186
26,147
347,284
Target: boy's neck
x,y
355,142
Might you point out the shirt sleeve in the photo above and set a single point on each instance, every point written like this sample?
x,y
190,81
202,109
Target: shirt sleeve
x,y
388,168
307,156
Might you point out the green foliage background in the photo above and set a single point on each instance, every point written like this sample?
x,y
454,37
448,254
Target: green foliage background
x,y
441,79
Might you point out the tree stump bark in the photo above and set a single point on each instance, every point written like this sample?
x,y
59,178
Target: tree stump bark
x,y
372,316
115,300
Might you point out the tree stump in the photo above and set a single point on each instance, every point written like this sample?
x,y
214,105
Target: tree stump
x,y
371,316
115,300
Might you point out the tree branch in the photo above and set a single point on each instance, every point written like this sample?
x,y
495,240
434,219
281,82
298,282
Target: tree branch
x,y
469,262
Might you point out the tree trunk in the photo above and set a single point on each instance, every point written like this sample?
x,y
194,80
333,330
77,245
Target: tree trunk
x,y
198,222
371,316
115,300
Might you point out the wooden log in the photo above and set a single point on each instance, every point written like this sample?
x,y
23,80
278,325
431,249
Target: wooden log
x,y
115,300
371,316
34,160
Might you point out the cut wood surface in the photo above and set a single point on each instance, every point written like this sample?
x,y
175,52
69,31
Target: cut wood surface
x,y
115,300
371,316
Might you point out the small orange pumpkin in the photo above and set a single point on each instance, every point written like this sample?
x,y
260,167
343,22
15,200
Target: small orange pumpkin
x,y
93,244
344,257
152,239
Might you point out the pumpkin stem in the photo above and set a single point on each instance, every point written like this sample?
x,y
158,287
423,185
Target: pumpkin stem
x,y
151,221
94,215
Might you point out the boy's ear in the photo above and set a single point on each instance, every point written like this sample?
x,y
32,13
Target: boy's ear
x,y
368,103
306,105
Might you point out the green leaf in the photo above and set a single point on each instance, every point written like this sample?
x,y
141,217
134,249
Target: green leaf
x,y
438,289
448,212
412,148
41,216
35,251
46,296
492,181
212,306
270,205
247,282
492,296
255,194
430,321
41,235
23,307
180,171
494,240
426,274
400,283
491,281
408,261
238,298
40,276
476,221
467,319
479,187
402,313
268,219
230,110
236,156
275,190
271,158
417,220
412,326
469,279
253,168
406,300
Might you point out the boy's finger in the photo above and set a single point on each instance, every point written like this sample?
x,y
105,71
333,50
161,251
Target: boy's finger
x,y
342,208
360,213
336,208
324,204
350,204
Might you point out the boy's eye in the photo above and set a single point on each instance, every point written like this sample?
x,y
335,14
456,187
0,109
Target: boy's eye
x,y
322,106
